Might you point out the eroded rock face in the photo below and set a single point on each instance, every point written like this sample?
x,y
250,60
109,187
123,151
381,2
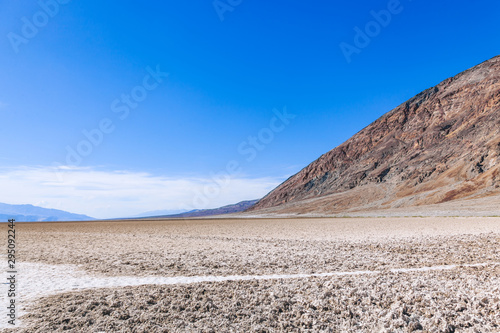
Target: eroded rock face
x,y
441,145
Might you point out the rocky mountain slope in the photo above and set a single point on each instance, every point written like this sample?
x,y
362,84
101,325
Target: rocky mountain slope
x,y
440,146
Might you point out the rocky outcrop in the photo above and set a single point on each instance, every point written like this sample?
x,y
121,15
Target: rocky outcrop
x,y
441,145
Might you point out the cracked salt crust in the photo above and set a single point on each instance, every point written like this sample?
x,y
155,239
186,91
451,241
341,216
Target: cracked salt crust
x,y
36,280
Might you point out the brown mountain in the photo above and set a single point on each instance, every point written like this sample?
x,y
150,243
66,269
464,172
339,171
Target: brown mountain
x,y
229,209
441,146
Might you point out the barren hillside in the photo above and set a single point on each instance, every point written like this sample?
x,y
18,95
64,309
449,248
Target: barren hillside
x,y
440,146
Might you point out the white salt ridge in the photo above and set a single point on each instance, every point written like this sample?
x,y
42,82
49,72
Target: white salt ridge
x,y
37,280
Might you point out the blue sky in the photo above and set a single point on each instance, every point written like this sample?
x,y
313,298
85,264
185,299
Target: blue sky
x,y
227,81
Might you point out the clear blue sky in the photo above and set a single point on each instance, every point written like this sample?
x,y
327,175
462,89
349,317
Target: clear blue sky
x,y
225,78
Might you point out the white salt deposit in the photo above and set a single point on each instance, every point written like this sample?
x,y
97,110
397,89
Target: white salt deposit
x,y
36,280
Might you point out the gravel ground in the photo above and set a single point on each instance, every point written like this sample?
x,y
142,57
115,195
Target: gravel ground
x,y
257,247
464,299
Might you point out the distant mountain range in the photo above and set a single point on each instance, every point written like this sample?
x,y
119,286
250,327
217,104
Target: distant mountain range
x,y
235,208
440,147
162,212
30,213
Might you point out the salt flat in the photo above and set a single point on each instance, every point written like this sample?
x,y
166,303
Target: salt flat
x,y
263,275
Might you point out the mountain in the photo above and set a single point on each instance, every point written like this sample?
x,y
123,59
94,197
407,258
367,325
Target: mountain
x,y
30,213
440,147
235,208
161,212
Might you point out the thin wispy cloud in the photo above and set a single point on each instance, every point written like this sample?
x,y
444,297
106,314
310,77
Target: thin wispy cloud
x,y
109,194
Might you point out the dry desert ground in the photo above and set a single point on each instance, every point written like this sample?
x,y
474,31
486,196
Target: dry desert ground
x,y
432,274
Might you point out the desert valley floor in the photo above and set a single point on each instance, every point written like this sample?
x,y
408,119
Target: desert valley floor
x,y
260,275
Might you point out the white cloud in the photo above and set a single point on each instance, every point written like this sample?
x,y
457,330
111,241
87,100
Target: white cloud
x,y
109,194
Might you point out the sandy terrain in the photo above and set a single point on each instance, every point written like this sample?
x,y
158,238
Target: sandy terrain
x,y
352,274
480,205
